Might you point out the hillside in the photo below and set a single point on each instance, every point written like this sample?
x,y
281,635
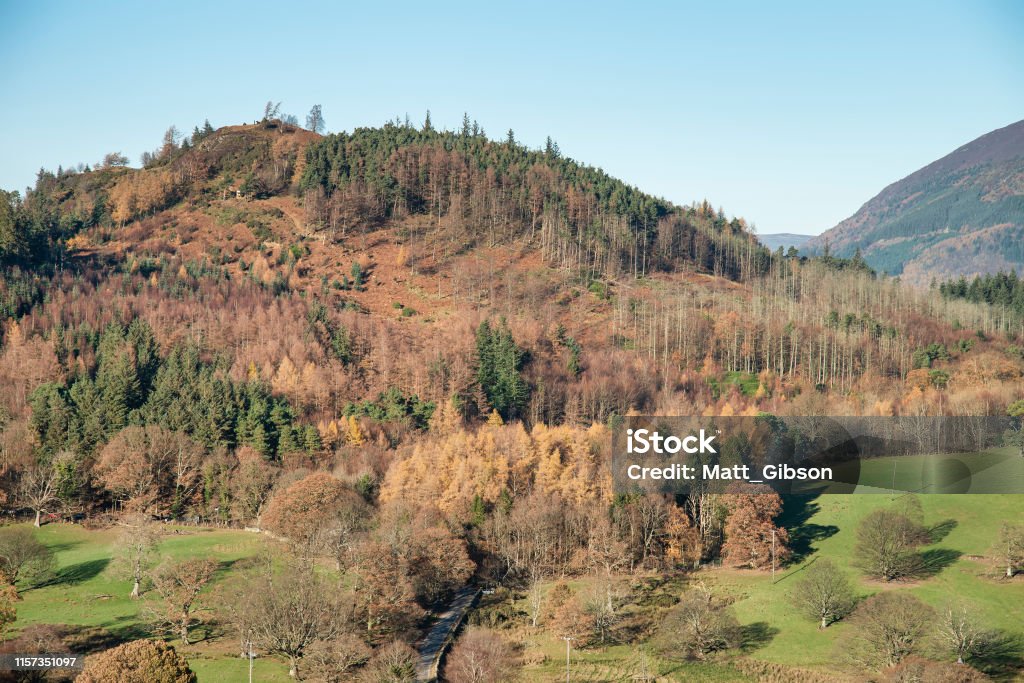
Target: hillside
x,y
400,352
962,215
414,236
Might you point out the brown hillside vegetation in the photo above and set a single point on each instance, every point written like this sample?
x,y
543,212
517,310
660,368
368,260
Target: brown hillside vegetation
x,y
400,351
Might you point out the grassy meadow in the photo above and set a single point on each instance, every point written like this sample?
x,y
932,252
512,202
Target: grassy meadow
x,y
964,527
92,602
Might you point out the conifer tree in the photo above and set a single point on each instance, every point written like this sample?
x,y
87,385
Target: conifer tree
x,y
499,362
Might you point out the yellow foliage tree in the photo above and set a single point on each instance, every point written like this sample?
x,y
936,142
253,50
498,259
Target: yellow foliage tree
x,y
329,433
286,379
354,433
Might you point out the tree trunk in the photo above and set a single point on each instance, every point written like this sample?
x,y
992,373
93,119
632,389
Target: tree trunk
x,y
293,666
183,629
135,589
824,621
38,513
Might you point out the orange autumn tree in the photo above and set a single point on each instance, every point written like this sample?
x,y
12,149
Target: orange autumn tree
x,y
682,539
151,469
750,526
384,592
302,509
462,466
496,460
139,661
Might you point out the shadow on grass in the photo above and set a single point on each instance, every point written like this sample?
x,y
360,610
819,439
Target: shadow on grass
x,y
64,546
90,639
70,575
77,573
631,630
935,560
757,635
797,511
794,572
210,629
225,566
939,531
1000,655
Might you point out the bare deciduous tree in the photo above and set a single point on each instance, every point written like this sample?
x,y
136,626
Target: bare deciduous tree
x,y
603,602
699,625
1010,547
114,160
887,628
315,119
37,486
179,585
481,656
289,610
136,549
824,593
393,663
959,630
151,469
271,111
334,661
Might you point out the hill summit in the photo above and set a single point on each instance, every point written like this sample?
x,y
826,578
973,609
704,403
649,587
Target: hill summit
x,y
444,192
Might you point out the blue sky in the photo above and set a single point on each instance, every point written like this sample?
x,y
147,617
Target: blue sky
x,y
790,116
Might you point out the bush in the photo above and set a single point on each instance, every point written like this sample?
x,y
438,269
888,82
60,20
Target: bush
x,y
920,670
140,661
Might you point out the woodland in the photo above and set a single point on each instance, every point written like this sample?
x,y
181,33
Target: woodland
x,y
398,354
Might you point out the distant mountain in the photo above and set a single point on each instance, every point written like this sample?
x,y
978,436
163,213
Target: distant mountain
x,y
784,240
960,215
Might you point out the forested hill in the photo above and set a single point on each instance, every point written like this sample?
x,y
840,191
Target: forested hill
x,y
456,190
962,215
295,281
400,352
476,191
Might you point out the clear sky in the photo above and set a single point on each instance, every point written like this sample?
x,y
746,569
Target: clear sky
x,y
790,116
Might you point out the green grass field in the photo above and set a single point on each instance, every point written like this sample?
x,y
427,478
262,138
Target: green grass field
x,y
995,471
963,570
90,598
87,596
826,527
999,470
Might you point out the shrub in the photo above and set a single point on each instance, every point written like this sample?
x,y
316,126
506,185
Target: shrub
x,y
140,661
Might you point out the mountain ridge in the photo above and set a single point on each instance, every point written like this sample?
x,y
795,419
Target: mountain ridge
x,y
960,215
